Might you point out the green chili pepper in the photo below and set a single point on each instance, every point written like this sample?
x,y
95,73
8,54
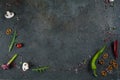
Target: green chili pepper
x,y
13,41
94,59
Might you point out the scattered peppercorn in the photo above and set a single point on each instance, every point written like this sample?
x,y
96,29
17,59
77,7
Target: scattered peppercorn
x,y
103,73
112,62
115,65
109,68
105,56
8,31
101,62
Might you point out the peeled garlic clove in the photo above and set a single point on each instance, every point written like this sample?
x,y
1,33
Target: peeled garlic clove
x,y
25,66
9,14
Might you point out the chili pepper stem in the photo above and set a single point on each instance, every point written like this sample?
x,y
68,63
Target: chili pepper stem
x,y
12,59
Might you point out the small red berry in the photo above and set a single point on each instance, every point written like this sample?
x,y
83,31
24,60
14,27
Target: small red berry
x,y
19,45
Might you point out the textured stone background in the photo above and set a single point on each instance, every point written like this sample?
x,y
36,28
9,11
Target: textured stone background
x,y
58,33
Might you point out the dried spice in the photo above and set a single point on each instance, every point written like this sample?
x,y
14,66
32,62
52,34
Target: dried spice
x,y
101,62
112,62
105,56
109,68
8,31
103,73
115,65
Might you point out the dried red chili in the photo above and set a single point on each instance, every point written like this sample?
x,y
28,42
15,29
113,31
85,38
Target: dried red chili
x,y
115,46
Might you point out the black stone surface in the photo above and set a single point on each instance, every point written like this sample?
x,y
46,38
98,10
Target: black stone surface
x,y
60,34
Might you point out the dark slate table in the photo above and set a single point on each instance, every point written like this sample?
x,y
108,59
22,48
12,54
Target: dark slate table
x,y
60,34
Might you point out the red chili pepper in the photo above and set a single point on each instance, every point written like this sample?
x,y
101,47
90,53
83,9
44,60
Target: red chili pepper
x,y
115,46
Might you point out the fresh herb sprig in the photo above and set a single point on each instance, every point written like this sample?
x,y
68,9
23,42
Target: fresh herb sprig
x,y
12,41
41,69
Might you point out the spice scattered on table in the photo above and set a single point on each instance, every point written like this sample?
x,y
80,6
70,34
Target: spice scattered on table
x,y
105,56
112,62
115,65
76,70
103,73
107,39
101,62
8,31
109,68
6,66
84,61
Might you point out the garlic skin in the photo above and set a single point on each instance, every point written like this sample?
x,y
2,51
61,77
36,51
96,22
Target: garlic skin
x,y
25,66
9,14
